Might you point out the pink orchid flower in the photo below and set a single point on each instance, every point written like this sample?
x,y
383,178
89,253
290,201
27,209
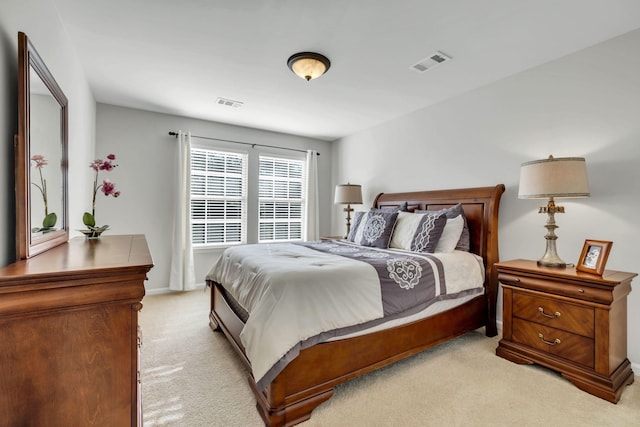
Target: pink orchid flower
x,y
107,187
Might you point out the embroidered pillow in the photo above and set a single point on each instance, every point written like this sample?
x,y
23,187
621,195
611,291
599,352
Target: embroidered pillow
x,y
357,219
450,235
375,229
428,232
464,243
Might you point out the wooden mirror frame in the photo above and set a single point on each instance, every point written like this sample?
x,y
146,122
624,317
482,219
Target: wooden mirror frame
x,y
26,245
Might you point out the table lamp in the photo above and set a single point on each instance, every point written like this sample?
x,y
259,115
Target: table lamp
x,y
348,194
553,178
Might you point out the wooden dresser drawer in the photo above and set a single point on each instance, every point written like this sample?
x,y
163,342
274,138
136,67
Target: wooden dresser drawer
x,y
555,341
555,287
557,314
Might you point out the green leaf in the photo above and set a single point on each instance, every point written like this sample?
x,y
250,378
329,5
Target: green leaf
x,y
49,220
88,220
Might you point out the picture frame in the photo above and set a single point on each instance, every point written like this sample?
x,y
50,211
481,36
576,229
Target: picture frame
x,y
594,256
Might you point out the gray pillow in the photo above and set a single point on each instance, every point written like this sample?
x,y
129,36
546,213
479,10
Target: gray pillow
x,y
357,219
376,228
428,232
464,244
404,207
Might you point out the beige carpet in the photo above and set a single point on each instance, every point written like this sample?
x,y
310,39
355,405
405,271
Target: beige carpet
x,y
191,377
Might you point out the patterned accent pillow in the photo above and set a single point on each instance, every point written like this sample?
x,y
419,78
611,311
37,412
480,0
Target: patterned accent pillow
x,y
464,243
428,232
357,219
375,229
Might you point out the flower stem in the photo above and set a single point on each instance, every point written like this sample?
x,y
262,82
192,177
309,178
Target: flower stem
x,y
95,191
43,190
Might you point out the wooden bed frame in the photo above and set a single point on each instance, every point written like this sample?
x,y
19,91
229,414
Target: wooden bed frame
x,y
310,379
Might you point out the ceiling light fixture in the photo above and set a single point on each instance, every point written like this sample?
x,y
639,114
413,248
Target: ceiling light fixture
x,y
308,65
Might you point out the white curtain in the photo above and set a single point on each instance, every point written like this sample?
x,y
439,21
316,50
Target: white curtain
x,y
182,276
311,226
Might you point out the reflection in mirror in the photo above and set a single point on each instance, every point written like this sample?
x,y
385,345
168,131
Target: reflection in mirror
x,y
41,156
46,158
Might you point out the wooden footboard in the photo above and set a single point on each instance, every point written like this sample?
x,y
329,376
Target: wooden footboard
x,y
309,379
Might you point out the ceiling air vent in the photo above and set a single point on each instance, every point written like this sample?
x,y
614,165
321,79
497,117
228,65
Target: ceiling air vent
x,y
430,62
229,102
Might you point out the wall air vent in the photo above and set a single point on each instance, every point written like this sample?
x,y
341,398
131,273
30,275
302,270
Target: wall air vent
x,y
430,62
229,102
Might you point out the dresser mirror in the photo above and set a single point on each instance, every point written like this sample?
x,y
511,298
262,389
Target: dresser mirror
x,y
41,156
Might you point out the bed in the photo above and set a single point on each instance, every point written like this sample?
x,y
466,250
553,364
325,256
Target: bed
x,y
309,379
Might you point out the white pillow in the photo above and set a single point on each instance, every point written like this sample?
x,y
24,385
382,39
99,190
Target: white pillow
x,y
406,226
450,235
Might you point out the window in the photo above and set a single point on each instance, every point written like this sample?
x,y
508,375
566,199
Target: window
x,y
281,199
218,197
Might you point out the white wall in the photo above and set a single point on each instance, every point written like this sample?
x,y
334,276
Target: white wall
x,y
586,104
146,177
39,20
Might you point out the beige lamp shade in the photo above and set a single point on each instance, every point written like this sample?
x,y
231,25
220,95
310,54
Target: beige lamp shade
x,y
348,194
561,177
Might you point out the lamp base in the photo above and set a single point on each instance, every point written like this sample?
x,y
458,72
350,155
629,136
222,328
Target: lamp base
x,y
555,263
550,257
348,210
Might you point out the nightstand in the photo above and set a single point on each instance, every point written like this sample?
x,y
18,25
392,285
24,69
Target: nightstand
x,y
572,322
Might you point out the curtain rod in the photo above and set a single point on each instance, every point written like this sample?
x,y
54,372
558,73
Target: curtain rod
x,y
172,133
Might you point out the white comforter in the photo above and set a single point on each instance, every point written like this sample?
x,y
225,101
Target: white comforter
x,y
293,293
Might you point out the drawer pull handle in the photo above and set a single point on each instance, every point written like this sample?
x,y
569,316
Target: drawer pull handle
x,y
550,316
554,342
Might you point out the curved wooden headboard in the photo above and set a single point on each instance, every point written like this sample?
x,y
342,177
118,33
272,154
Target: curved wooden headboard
x,y
481,206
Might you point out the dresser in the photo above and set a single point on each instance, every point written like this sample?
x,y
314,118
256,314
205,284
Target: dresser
x,y
69,338
569,321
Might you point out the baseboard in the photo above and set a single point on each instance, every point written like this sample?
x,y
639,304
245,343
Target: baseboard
x,y
167,290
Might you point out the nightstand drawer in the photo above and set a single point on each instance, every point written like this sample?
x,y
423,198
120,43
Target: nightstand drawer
x,y
557,314
558,287
573,347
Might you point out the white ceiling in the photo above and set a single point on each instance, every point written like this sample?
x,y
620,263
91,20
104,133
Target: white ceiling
x,y
178,57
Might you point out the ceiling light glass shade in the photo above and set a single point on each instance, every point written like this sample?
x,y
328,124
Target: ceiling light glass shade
x,y
348,194
561,177
308,65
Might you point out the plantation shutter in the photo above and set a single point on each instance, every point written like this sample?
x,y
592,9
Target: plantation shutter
x,y
218,197
281,199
